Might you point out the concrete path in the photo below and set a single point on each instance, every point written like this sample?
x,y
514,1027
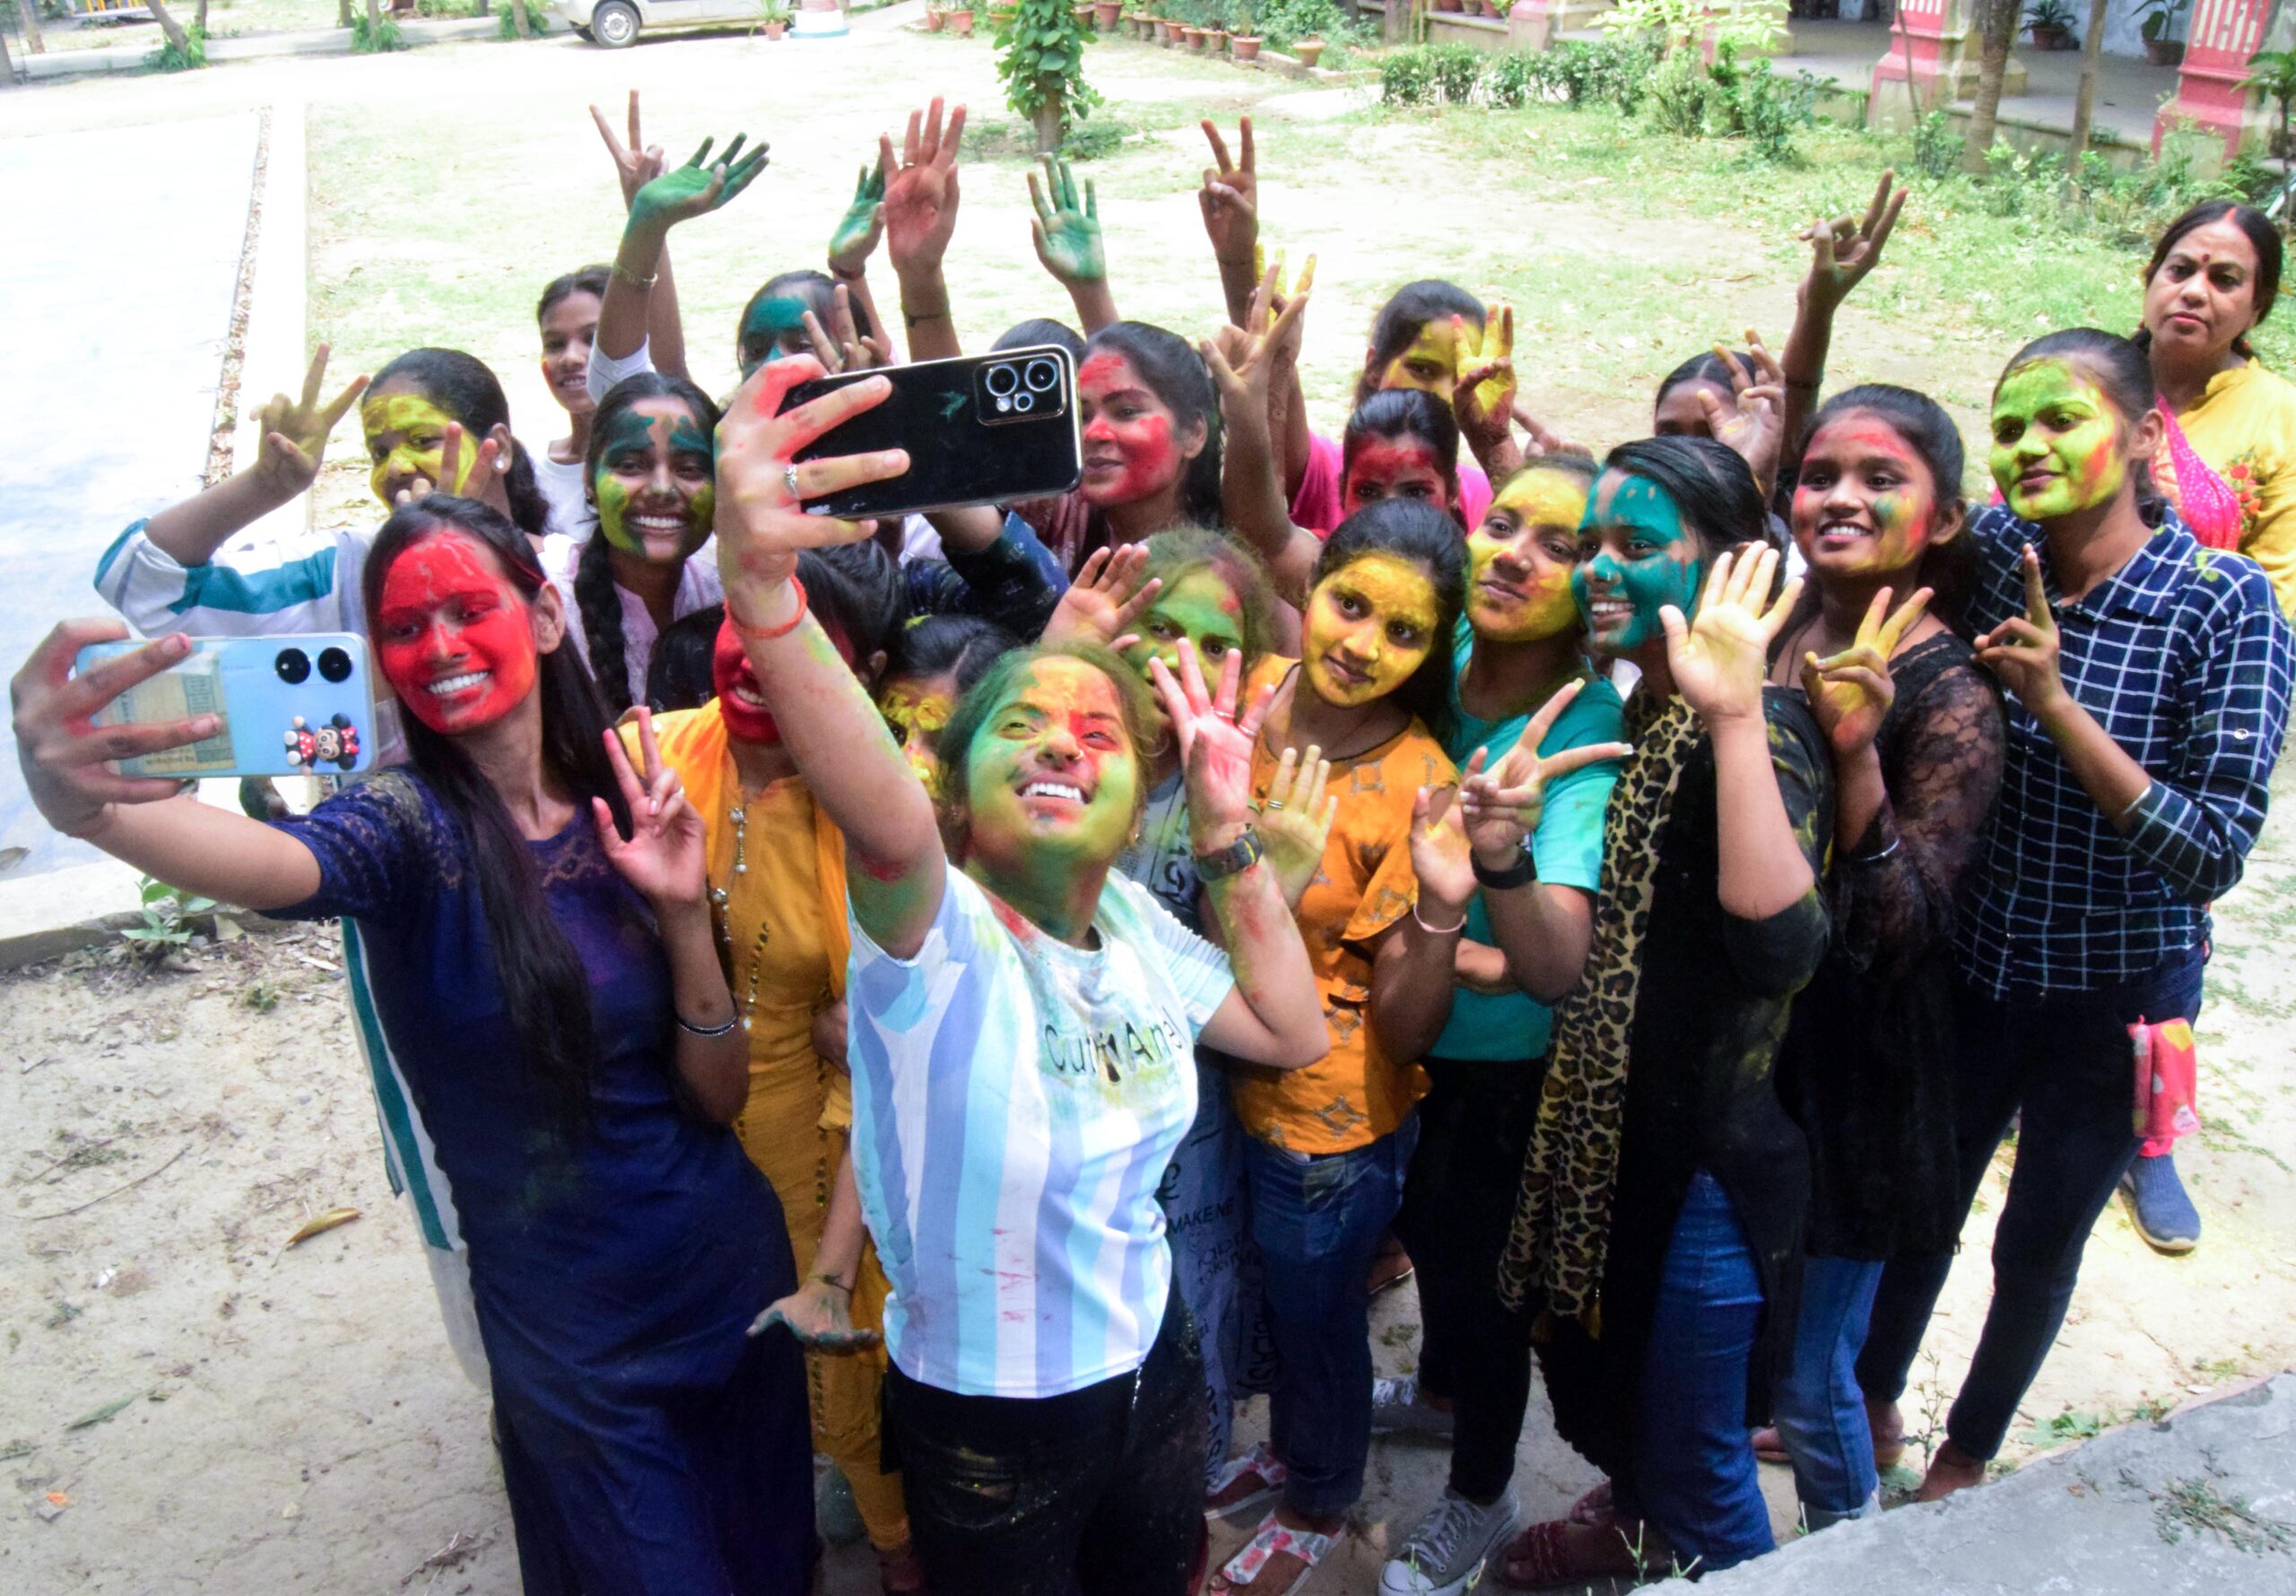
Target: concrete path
x,y
119,290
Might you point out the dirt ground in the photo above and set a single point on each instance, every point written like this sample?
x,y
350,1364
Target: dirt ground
x,y
187,1403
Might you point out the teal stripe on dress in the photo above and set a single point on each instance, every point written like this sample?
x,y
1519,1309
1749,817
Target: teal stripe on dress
x,y
409,1171
264,592
103,566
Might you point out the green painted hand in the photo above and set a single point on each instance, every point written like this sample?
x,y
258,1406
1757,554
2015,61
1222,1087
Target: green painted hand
x,y
861,226
1067,229
698,188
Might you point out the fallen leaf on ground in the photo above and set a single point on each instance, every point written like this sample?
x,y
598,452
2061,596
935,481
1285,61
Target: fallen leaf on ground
x,y
98,1415
325,1222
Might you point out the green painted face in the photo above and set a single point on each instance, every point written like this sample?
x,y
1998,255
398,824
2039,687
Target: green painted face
x,y
775,327
2057,442
654,481
1199,607
1051,777
1636,556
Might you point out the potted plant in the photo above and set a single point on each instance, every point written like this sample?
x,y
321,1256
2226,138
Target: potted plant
x,y
2160,17
1215,41
2050,23
1244,47
1309,50
935,19
960,21
773,16
1001,12
1107,13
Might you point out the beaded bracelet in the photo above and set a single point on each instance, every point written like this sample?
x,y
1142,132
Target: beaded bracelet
x,y
767,634
691,1029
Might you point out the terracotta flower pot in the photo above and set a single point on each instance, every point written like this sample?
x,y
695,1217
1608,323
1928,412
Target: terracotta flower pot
x,y
776,29
1165,29
2052,39
1107,13
1244,47
1084,16
1143,29
1215,41
960,24
1196,38
1309,50
935,20
2165,52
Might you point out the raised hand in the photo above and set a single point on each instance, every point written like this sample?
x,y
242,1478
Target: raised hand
x,y
840,346
820,1315
1439,858
1067,231
760,523
1484,398
480,481
1752,424
1216,743
1107,597
295,431
1719,659
636,163
1843,251
1242,360
1851,692
62,754
921,189
1503,804
698,187
1230,198
2024,651
1295,821
861,226
665,857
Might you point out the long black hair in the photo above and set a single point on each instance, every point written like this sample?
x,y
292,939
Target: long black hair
x,y
544,991
948,644
1396,327
1176,374
466,389
595,594
2263,238
1425,535
2118,366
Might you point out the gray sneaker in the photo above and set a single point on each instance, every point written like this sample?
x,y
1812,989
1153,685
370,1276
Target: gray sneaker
x,y
1396,1406
1444,1555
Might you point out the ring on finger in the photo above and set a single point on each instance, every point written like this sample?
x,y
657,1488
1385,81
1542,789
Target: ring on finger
x,y
1276,803
789,475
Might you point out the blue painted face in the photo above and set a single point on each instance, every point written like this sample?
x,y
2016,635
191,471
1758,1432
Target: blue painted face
x,y
1636,556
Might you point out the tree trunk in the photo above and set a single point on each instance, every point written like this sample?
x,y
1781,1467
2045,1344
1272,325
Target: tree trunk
x,y
374,25
7,66
1395,22
2084,103
168,25
342,14
29,12
2000,25
1049,117
200,20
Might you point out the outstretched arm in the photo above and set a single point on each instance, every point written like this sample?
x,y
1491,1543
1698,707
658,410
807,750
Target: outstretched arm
x,y
693,189
1069,244
849,761
1249,493
921,218
1841,252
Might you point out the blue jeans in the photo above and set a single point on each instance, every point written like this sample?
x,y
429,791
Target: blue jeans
x,y
1317,1223
1820,1411
1694,1470
2060,1064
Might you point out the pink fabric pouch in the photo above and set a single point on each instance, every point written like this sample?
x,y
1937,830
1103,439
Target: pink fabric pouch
x,y
2168,1066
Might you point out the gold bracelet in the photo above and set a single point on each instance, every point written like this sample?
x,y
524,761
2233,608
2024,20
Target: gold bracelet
x,y
633,279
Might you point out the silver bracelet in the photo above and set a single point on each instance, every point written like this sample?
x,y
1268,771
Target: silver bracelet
x,y
1878,857
1436,931
691,1029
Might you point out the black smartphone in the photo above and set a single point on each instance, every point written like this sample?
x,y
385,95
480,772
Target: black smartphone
x,y
979,430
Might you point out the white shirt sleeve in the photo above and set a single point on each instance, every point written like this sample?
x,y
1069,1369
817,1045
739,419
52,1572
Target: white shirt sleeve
x,y
1198,971
604,371
255,586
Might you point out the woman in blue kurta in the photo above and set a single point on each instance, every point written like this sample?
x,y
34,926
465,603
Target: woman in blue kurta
x,y
551,991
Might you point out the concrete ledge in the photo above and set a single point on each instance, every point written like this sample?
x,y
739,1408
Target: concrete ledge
x,y
320,41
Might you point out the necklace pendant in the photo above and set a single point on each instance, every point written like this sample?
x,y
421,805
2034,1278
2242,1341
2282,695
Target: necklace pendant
x,y
718,896
734,814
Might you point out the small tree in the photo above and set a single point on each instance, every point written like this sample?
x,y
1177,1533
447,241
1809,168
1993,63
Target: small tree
x,y
7,67
2084,98
178,40
28,13
1999,22
1040,56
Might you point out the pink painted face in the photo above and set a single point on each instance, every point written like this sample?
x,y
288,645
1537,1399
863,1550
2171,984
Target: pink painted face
x,y
1393,468
1865,504
1134,445
454,636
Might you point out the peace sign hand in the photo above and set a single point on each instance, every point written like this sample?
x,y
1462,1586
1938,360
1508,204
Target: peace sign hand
x,y
1439,856
1295,821
1216,743
1719,659
697,188
295,431
2024,651
1067,231
636,163
1851,692
862,225
1230,197
1503,805
840,346
1751,425
1483,397
921,190
1106,598
1843,251
666,856
482,481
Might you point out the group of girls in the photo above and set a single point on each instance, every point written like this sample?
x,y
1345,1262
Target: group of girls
x,y
974,996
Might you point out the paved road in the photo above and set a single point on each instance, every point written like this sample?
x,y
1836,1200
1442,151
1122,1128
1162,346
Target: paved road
x,y
118,295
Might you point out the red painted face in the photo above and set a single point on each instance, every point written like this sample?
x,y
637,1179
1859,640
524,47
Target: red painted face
x,y
1129,451
1393,468
456,638
747,719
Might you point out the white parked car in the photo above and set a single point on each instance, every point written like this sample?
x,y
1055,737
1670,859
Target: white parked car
x,y
618,23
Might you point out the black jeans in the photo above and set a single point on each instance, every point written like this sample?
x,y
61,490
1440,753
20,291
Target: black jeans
x,y
2063,1062
1458,1203
1099,1490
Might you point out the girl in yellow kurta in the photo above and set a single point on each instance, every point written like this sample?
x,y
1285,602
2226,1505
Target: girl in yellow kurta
x,y
777,877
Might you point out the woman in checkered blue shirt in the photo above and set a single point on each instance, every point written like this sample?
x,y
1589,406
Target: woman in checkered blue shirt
x,y
2147,690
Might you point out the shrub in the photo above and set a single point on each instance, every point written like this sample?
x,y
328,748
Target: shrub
x,y
193,53
1407,77
375,41
1280,22
1936,149
1456,67
1510,80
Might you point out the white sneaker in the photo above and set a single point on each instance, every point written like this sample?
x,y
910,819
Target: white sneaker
x,y
1445,1552
1396,1406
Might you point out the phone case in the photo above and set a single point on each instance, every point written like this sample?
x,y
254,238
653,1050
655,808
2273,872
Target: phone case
x,y
979,430
292,706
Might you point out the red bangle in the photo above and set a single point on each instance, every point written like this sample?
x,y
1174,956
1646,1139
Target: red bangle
x,y
753,633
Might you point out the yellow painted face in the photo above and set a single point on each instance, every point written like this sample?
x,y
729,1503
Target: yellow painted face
x,y
406,434
1431,363
1522,556
916,709
1369,625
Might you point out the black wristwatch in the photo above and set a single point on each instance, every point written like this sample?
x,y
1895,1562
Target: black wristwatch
x,y
1238,856
1521,873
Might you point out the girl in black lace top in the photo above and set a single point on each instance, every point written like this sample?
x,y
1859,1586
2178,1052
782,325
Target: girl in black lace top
x,y
1916,737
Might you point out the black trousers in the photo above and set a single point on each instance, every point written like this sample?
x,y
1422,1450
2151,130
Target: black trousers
x,y
1458,1202
1099,1490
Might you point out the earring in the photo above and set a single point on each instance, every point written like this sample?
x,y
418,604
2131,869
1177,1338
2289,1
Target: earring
x,y
502,463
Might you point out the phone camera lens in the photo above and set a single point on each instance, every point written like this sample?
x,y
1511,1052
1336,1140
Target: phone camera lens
x,y
1042,375
293,666
1002,380
1025,402
334,665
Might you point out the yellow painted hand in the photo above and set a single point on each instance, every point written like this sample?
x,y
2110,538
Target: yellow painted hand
x,y
1295,821
1851,692
1720,658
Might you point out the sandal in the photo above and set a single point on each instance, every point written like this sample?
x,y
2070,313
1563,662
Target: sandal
x,y
1541,1556
1262,1465
1272,1537
1770,1447
1594,1508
